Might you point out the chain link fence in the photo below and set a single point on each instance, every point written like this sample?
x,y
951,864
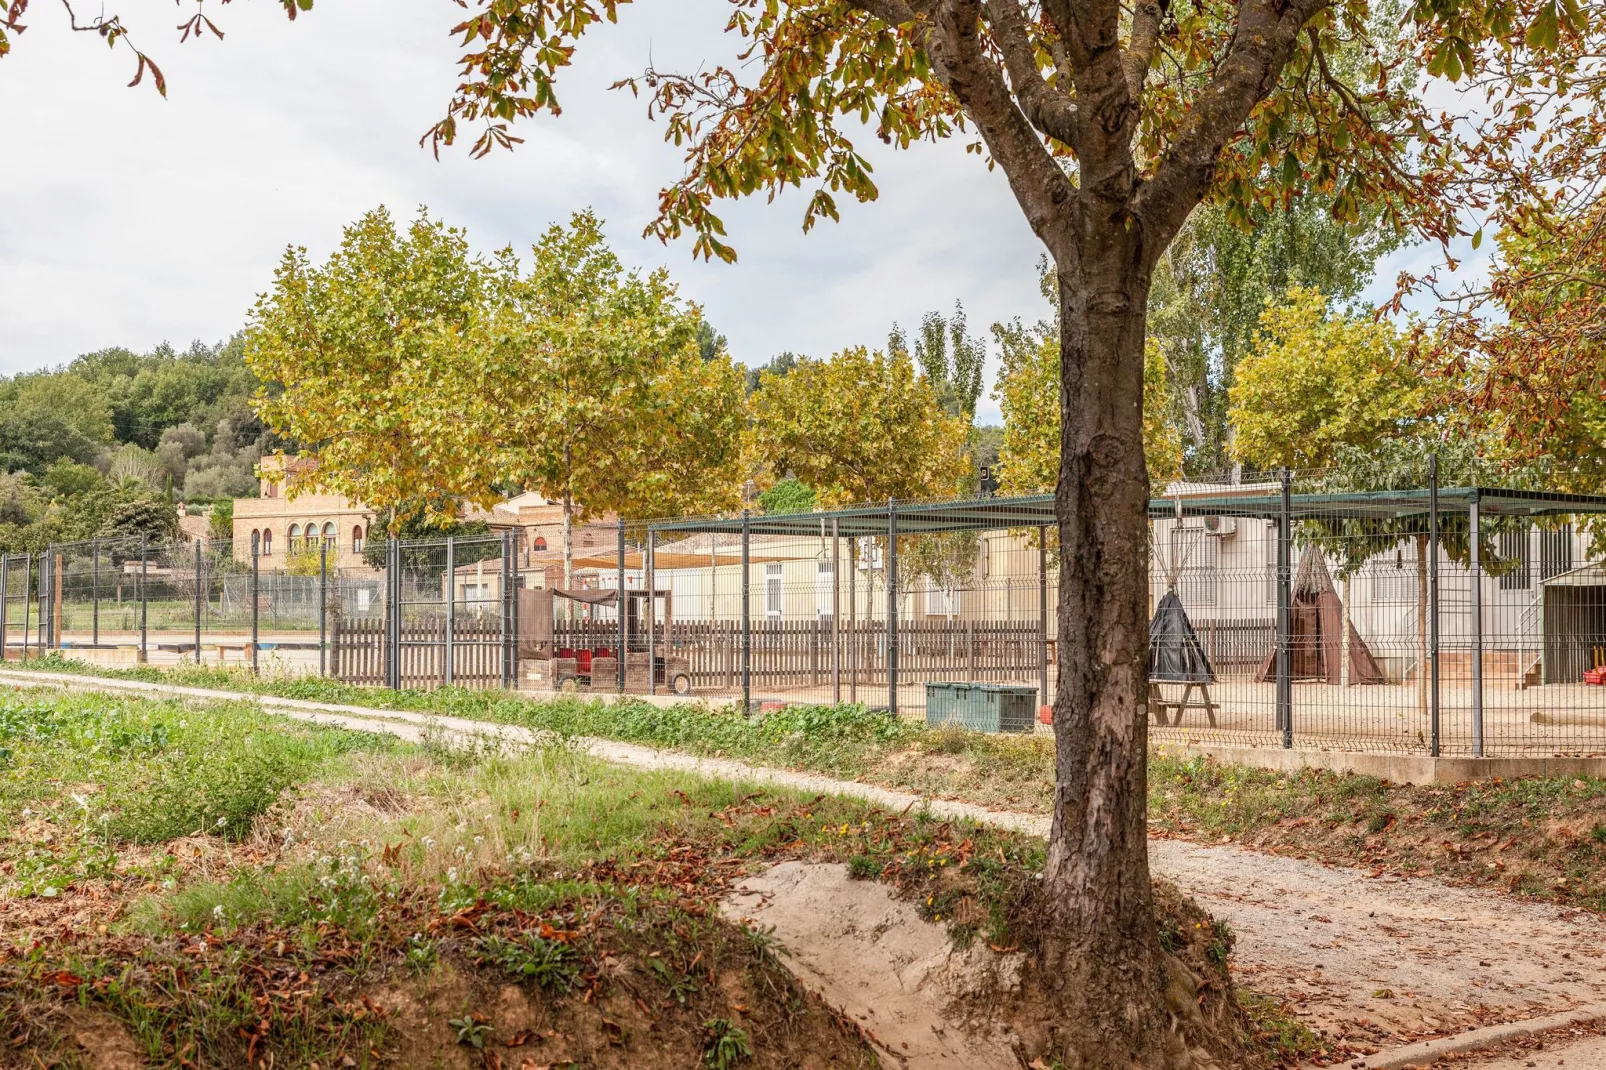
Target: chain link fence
x,y
1419,619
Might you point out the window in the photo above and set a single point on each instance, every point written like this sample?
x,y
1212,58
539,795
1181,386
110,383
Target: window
x,y
939,603
773,597
1514,551
539,545
1193,555
356,539
267,542
329,533
824,589
295,537
1395,577
1555,552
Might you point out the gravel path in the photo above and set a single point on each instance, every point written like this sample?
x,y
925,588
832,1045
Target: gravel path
x,y
1375,961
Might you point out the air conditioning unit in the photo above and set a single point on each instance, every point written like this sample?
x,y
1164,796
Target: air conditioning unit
x,y
1222,527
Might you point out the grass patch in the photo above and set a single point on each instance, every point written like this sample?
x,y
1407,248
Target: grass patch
x,y
848,741
391,904
1534,837
84,775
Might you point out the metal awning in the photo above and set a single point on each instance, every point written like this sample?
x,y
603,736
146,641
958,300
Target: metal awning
x,y
1037,510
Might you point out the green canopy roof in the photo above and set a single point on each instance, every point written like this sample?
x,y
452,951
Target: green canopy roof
x,y
1037,510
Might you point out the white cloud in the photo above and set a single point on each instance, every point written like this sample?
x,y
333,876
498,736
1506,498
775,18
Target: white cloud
x,y
131,219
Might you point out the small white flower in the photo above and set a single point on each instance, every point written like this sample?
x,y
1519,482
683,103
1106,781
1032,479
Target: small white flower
x,y
222,821
451,875
217,912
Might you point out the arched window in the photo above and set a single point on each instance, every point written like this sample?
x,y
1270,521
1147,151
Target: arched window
x,y
329,533
539,546
256,538
267,542
356,539
295,538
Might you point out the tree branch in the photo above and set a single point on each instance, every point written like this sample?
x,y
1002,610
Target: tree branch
x,y
1145,38
1264,41
1051,110
950,33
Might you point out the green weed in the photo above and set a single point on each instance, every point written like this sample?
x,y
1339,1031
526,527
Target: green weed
x,y
727,1044
548,963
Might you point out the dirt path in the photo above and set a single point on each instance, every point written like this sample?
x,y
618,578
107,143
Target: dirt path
x,y
1375,961
1379,961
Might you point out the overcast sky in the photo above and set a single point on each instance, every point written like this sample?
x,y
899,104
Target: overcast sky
x,y
129,220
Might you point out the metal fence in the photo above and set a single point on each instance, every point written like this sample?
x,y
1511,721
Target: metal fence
x,y
1461,621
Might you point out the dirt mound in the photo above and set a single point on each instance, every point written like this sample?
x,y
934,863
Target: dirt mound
x,y
874,959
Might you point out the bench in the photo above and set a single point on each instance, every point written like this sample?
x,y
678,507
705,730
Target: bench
x,y
1160,706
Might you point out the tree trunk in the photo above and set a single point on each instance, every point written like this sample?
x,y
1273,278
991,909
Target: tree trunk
x,y
1102,962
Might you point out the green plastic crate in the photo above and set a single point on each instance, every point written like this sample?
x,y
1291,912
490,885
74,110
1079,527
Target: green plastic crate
x,y
982,707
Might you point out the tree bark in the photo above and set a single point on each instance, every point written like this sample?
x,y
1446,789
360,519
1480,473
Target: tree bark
x,y
1096,881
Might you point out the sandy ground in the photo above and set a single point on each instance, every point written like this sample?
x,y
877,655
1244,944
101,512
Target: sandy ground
x,y
1380,961
832,925
1376,961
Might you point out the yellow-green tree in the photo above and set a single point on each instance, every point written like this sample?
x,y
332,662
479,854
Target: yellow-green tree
x,y
1028,394
586,382
860,427
1317,381
351,354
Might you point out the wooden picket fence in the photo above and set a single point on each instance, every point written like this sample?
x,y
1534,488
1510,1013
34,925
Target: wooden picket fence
x,y
357,651
785,653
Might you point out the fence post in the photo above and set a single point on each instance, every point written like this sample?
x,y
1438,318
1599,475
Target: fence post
x,y
144,599
853,619
1433,603
27,599
1476,556
892,606
1285,683
450,672
513,608
46,587
652,615
836,610
5,605
94,593
323,607
619,655
392,613
507,614
58,591
256,581
200,578
747,613
1042,614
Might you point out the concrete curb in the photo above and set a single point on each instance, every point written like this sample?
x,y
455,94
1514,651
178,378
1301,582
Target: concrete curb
x,y
1427,1052
1398,768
